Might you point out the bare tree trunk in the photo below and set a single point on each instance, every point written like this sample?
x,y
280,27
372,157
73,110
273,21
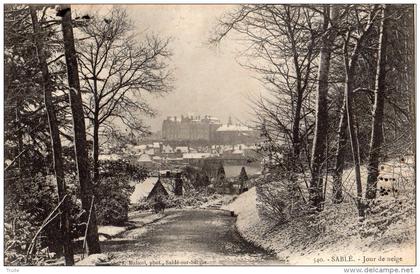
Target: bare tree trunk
x,y
339,156
354,141
95,150
79,130
95,128
378,109
321,123
296,128
55,141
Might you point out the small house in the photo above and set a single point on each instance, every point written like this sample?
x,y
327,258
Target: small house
x,y
149,189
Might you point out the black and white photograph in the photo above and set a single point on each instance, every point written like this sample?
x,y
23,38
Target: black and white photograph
x,y
139,135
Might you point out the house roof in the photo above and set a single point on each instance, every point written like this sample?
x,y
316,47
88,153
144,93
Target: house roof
x,y
196,155
143,189
144,158
182,149
233,171
140,147
167,149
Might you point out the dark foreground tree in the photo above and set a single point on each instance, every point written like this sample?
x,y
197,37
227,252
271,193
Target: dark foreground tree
x,y
350,60
353,46
378,107
55,139
79,130
318,157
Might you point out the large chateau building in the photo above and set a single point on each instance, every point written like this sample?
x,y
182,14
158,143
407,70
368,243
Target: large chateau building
x,y
208,128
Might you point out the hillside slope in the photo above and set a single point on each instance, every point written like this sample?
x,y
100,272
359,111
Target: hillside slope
x,y
386,237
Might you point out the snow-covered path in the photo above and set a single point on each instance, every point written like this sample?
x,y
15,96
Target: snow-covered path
x,y
193,236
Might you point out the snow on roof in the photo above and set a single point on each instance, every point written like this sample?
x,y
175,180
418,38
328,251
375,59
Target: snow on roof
x,y
140,147
182,149
150,151
167,149
156,145
233,128
142,190
196,155
174,159
109,157
144,158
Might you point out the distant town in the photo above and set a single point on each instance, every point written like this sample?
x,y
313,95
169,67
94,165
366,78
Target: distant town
x,y
191,141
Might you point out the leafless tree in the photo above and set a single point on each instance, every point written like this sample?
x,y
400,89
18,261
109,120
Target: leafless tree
x,y
116,69
283,40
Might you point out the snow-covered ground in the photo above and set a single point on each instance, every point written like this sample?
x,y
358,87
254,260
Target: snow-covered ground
x,y
138,219
218,202
109,231
335,232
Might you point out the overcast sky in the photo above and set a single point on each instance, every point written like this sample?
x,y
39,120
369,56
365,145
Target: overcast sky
x,y
208,79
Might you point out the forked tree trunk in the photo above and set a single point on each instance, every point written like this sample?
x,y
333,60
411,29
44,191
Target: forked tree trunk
x,y
354,140
378,109
350,66
55,141
321,123
79,130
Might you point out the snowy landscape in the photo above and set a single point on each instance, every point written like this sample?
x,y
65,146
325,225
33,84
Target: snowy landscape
x,y
209,135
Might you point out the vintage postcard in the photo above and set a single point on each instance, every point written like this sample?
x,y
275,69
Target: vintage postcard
x,y
209,135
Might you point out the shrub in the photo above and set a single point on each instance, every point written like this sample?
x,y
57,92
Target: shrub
x,y
112,200
279,201
18,233
27,204
143,206
395,213
112,192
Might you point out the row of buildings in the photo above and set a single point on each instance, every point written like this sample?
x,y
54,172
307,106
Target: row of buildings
x,y
158,154
208,128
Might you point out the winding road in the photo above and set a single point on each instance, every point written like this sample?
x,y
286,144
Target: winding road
x,y
186,237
